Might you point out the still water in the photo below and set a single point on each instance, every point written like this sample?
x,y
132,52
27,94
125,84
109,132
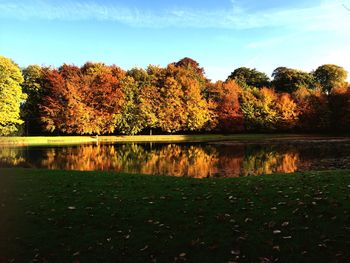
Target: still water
x,y
221,159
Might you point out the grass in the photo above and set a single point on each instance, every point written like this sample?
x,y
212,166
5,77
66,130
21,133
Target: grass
x,y
68,216
54,140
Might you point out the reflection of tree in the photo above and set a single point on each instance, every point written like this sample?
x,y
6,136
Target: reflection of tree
x,y
11,157
267,161
84,158
171,159
193,160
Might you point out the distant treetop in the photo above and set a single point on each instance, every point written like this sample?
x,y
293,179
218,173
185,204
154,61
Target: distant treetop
x,y
249,77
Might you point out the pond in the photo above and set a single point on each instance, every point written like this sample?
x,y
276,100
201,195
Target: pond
x,y
200,160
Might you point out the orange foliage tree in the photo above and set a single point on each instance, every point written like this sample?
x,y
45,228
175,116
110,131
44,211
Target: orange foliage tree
x,y
182,104
314,110
82,100
230,115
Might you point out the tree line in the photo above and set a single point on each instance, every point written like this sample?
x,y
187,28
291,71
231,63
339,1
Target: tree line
x,y
100,99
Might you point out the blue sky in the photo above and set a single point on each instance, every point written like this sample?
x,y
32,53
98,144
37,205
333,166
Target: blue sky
x,y
220,34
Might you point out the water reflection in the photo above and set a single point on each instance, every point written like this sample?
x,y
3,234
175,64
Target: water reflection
x,y
194,160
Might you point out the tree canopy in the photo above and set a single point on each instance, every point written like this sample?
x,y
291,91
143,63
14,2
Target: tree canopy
x,y
250,77
82,100
178,98
33,88
11,96
330,76
289,80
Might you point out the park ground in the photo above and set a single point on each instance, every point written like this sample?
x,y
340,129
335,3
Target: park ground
x,y
70,216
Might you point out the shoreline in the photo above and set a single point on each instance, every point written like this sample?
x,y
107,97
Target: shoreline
x,y
217,138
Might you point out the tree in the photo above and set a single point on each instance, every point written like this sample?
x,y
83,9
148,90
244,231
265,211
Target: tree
x,y
249,77
58,109
33,88
289,80
82,100
105,97
196,106
11,96
182,99
142,100
330,76
259,109
287,112
130,119
172,115
314,111
339,103
266,110
230,116
191,65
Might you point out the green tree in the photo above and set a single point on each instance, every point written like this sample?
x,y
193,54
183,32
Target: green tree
x,y
130,119
249,77
289,80
259,109
33,88
330,76
11,96
149,83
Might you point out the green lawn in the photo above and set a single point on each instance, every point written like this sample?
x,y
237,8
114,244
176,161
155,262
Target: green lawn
x,y
65,216
54,140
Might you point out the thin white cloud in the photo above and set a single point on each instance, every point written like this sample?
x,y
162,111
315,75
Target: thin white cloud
x,y
329,15
270,42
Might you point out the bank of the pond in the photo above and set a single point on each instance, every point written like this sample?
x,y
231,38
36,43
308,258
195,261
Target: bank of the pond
x,y
62,216
62,140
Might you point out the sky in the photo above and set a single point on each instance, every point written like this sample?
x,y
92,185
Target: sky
x,y
221,35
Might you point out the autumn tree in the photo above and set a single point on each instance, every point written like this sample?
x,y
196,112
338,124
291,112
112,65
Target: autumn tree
x,y
182,97
150,96
287,112
197,73
190,65
60,103
339,104
11,96
229,112
172,114
289,80
82,100
330,76
314,110
105,96
249,77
